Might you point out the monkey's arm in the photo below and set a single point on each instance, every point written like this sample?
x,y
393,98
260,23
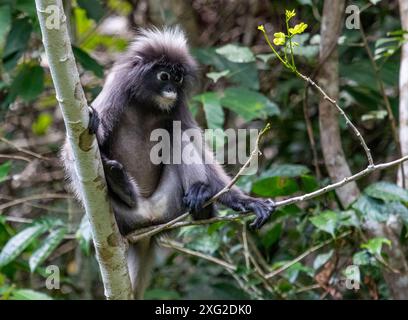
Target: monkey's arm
x,y
119,182
200,192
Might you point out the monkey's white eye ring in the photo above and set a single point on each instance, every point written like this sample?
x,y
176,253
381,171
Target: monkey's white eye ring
x,y
163,76
179,79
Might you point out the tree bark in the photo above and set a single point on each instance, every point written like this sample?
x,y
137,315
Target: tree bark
x,y
328,78
403,92
109,245
333,153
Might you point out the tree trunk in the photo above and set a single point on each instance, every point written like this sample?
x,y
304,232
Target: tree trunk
x,y
109,245
403,92
328,78
333,153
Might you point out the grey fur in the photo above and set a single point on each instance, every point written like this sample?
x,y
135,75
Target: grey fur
x,y
129,112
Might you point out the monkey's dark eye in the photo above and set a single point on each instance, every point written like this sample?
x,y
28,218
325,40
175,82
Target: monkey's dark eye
x,y
163,76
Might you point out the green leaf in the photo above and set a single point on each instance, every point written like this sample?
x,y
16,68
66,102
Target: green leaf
x,y
374,245
5,22
19,242
28,294
212,108
349,218
272,235
274,187
361,258
293,272
248,104
374,115
374,2
199,239
4,170
17,41
265,57
325,221
235,53
87,62
215,76
321,259
84,235
286,170
94,8
26,6
29,82
47,247
41,124
387,192
243,74
371,209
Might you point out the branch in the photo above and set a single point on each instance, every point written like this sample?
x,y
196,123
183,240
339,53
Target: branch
x,y
109,245
176,223
341,111
303,255
179,247
42,196
22,150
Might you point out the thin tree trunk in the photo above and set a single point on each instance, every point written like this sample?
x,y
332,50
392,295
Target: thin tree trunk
x,y
328,78
109,245
333,153
403,91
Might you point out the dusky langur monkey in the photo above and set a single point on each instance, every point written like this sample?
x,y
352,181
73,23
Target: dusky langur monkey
x,y
148,89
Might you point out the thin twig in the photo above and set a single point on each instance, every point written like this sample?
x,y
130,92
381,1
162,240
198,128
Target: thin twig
x,y
303,255
33,154
245,245
14,157
179,247
341,111
34,197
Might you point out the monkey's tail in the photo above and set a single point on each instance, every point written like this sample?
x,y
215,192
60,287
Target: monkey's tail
x,y
140,264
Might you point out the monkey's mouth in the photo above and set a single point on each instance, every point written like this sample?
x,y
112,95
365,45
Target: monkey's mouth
x,y
166,99
169,95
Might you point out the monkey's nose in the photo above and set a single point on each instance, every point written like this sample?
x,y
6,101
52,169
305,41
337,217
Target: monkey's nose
x,y
171,95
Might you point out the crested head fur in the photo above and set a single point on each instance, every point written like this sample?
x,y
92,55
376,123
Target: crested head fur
x,y
129,82
169,43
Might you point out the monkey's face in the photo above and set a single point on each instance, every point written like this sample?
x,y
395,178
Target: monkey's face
x,y
167,85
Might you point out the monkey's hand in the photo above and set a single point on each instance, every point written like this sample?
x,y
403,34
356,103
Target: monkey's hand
x,y
94,121
261,207
195,198
119,182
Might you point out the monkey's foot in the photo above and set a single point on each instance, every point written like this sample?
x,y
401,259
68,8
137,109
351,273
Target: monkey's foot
x,y
261,207
120,183
197,195
93,121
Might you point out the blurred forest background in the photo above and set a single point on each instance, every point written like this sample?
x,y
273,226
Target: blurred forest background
x,y
305,251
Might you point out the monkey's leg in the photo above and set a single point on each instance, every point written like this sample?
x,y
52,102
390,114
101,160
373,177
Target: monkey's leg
x,y
140,263
119,182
